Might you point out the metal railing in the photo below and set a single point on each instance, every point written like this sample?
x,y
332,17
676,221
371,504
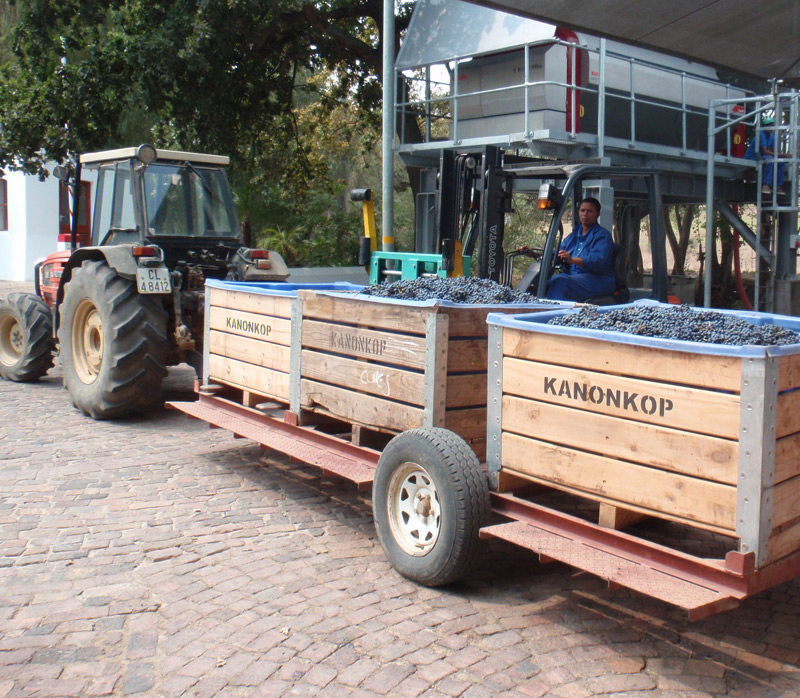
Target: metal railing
x,y
784,110
433,100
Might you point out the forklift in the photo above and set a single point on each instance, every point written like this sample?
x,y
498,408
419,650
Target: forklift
x,y
464,229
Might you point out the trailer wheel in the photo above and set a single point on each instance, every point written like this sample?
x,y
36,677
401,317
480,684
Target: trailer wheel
x,y
430,498
26,337
113,343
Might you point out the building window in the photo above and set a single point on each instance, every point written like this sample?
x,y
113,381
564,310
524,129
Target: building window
x,y
3,204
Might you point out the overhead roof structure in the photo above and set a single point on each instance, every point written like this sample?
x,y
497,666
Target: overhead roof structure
x,y
441,31
761,39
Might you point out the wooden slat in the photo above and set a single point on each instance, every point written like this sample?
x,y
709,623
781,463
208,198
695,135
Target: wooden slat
x,y
786,502
789,372
251,351
279,306
702,370
465,355
623,484
617,517
672,406
468,322
407,351
466,390
386,316
468,424
787,457
478,446
263,381
697,455
373,378
471,322
507,482
263,327
788,419
360,408
784,542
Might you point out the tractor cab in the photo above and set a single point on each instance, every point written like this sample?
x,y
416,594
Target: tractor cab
x,y
159,209
178,201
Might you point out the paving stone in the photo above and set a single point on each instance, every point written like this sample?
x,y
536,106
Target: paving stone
x,y
153,556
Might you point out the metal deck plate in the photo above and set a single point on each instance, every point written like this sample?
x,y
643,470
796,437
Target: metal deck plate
x,y
635,574
304,444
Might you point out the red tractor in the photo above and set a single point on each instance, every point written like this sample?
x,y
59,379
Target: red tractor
x,y
123,308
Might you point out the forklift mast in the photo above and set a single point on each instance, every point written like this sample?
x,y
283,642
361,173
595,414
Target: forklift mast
x,y
472,199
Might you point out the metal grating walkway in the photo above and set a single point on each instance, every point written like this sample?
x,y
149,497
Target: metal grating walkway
x,y
634,574
702,587
305,444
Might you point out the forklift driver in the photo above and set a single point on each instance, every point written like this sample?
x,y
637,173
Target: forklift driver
x,y
588,253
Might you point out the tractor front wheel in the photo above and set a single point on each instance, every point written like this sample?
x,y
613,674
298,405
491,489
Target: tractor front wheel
x,y
26,337
113,343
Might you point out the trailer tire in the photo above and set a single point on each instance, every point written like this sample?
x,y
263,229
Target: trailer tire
x,y
113,343
430,499
26,337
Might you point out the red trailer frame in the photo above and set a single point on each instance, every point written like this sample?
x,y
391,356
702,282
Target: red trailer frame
x,y
701,586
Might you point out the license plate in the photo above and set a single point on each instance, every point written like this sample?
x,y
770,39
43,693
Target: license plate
x,y
153,280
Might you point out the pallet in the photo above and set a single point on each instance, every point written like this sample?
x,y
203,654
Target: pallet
x,y
704,437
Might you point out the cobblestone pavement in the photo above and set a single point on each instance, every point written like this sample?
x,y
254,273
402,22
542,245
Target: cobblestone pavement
x,y
157,557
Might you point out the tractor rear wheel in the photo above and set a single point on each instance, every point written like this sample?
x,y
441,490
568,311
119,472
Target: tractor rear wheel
x,y
113,343
26,337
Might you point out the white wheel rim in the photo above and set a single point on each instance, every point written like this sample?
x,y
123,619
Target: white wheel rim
x,y
12,340
87,341
415,513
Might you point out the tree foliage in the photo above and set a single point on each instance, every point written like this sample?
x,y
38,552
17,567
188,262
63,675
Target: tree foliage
x,y
679,241
206,74
289,89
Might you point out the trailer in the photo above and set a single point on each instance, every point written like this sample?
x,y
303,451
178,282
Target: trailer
x,y
470,424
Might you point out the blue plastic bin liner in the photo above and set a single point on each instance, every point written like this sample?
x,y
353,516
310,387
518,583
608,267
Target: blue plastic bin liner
x,y
451,304
537,322
280,288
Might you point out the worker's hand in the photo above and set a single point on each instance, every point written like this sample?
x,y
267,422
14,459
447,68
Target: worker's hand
x,y
565,256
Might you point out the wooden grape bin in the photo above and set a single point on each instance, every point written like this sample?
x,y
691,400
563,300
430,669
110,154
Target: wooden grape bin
x,y
382,364
392,365
705,435
248,333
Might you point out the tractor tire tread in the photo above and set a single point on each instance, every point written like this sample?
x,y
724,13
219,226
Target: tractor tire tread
x,y
34,315
135,344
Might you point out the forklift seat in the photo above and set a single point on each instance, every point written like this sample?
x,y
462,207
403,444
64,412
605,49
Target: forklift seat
x,y
623,293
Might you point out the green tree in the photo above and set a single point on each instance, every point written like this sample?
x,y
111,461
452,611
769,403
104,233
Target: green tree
x,y
288,88
679,242
203,74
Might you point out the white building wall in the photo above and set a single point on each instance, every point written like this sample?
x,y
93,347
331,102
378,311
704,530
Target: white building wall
x,y
32,225
41,221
